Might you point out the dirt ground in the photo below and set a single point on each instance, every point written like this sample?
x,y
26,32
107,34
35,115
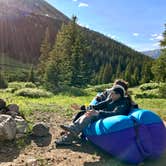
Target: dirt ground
x,y
43,152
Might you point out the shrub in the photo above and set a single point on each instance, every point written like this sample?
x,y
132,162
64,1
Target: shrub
x,y
149,86
19,85
162,91
33,93
73,91
29,85
100,88
3,82
146,95
154,93
10,90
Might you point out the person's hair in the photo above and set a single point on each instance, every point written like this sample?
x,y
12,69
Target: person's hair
x,y
122,83
118,89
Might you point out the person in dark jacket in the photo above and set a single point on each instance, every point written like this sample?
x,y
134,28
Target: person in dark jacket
x,y
116,104
104,97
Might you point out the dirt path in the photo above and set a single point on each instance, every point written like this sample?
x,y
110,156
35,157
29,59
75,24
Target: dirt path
x,y
42,152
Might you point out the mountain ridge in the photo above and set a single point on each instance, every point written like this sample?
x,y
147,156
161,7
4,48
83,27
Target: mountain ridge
x,y
22,27
153,53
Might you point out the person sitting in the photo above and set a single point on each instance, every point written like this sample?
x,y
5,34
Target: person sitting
x,y
103,96
116,104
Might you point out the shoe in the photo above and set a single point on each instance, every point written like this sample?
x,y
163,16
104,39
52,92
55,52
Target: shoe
x,y
69,128
64,140
83,108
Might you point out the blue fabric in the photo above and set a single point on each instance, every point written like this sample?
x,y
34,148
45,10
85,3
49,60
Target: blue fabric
x,y
121,122
143,116
109,125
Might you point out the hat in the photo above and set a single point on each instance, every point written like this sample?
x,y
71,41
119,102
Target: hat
x,y
118,90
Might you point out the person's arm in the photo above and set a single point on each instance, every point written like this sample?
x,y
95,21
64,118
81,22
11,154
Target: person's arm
x,y
122,109
101,105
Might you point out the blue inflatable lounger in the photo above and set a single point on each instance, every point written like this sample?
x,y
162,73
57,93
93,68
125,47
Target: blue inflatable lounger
x,y
132,138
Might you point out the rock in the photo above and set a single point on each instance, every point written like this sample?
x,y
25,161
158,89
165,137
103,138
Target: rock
x,y
2,104
13,110
31,162
7,127
13,107
21,125
40,129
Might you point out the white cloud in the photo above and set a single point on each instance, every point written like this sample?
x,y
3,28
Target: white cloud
x,y
135,34
156,44
74,0
113,36
81,4
83,25
156,37
159,37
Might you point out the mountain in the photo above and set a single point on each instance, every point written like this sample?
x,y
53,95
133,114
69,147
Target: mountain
x,y
22,27
23,24
153,53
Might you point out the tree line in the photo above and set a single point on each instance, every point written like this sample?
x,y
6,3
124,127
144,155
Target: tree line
x,y
81,56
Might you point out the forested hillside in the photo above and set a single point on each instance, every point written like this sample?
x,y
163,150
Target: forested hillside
x,y
81,56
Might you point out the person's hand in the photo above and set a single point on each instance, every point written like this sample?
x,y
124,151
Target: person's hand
x,y
91,113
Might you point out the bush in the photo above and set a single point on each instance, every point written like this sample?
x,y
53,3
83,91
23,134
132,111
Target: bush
x,y
100,88
149,86
3,82
154,93
73,91
19,85
29,85
146,95
33,93
162,91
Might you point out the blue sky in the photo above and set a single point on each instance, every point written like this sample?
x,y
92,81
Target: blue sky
x,y
136,23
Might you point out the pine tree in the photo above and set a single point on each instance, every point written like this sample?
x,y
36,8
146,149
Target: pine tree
x,y
67,64
3,81
80,68
146,73
44,57
107,74
136,76
159,66
31,76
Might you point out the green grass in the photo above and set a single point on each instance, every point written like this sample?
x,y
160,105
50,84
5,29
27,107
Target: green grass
x,y
58,103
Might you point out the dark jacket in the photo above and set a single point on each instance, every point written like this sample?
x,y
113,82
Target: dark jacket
x,y
111,108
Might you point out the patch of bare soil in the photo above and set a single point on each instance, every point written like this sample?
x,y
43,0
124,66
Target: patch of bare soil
x,y
43,152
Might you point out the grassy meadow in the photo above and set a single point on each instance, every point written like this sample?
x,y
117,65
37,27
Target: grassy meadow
x,y
63,102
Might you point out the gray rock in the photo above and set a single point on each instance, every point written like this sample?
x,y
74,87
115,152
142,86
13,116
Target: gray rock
x,y
7,127
40,129
21,125
2,104
31,162
13,107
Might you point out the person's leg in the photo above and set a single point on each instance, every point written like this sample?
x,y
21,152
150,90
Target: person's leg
x,y
66,139
78,115
77,127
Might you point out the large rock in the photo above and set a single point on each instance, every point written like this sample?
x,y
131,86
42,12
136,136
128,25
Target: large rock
x,y
7,127
21,125
40,129
2,104
13,110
